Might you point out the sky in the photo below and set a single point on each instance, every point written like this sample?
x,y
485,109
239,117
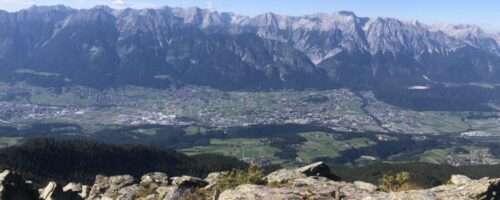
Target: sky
x,y
485,13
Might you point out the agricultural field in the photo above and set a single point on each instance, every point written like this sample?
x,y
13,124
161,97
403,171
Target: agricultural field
x,y
236,147
459,155
320,144
9,141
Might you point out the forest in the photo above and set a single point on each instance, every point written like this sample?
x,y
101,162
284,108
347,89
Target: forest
x,y
41,160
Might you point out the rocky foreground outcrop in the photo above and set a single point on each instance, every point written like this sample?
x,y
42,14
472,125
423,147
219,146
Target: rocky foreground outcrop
x,y
312,182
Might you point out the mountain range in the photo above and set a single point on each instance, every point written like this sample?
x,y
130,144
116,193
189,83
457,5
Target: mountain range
x,y
105,47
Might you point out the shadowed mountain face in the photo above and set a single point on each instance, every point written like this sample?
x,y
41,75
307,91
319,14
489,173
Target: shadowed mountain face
x,y
102,47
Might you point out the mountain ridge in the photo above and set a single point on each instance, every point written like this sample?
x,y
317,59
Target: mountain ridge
x,y
106,47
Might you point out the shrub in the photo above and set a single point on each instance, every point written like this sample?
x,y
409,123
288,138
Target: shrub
x,y
399,182
236,177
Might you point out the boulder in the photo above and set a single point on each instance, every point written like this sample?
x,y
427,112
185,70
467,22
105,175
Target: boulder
x,y
175,193
74,187
82,190
459,179
285,175
189,181
13,186
416,195
365,186
48,191
115,187
153,186
156,178
315,169
473,189
259,192
54,191
303,188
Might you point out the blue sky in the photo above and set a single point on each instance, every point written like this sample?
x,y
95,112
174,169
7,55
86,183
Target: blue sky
x,y
485,13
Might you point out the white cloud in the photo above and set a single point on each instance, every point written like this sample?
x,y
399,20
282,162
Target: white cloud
x,y
119,4
210,5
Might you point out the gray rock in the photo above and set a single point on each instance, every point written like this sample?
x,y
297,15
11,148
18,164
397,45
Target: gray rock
x,y
156,178
416,195
85,191
365,186
283,176
473,189
153,186
459,179
54,191
189,181
258,192
48,191
115,187
74,187
315,169
175,193
82,190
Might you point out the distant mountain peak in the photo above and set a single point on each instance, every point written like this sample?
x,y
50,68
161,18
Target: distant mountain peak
x,y
109,46
37,8
458,30
347,13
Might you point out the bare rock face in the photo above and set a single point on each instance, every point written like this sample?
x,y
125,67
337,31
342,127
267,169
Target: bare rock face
x,y
13,186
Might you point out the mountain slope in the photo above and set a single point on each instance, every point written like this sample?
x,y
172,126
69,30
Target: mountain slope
x,y
103,47
65,160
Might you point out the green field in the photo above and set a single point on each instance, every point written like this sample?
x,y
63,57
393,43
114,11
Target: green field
x,y
237,147
193,130
320,144
9,141
438,122
439,156
149,132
